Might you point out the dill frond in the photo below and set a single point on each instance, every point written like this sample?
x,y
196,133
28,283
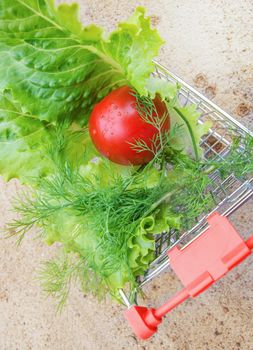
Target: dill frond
x,y
95,219
58,274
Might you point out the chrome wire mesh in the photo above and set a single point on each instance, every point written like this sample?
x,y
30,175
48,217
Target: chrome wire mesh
x,y
227,194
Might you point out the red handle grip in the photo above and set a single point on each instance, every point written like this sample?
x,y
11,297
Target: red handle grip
x,y
205,260
249,242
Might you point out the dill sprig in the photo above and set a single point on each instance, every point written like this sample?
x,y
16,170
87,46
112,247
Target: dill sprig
x,y
239,158
109,212
162,139
57,275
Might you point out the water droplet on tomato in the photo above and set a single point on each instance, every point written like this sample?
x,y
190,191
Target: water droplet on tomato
x,y
94,132
115,107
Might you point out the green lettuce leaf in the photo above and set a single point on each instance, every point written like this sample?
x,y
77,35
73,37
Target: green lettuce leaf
x,y
31,149
22,142
164,88
141,246
57,69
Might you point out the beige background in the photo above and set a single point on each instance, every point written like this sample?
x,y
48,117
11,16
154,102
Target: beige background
x,y
210,45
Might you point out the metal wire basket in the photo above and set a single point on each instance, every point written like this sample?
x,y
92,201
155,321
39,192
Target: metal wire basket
x,y
229,194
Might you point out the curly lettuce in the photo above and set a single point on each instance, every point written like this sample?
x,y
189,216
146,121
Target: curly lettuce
x,y
23,140
58,69
30,149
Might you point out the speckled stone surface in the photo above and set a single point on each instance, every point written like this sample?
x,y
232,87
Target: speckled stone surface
x,y
210,45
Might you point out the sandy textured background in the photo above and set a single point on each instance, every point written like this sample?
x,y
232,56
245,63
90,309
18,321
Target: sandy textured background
x,y
210,45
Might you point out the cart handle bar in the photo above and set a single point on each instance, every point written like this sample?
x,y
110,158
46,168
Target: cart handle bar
x,y
200,264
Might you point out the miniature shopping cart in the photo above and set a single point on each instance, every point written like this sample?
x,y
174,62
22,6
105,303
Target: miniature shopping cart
x,y
211,248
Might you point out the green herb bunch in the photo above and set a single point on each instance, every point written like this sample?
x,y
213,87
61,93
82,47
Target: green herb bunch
x,y
103,216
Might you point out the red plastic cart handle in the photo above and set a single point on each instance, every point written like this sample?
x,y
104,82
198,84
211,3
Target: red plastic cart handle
x,y
204,261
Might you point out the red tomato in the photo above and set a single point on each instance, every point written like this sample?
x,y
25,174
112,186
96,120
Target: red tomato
x,y
115,124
